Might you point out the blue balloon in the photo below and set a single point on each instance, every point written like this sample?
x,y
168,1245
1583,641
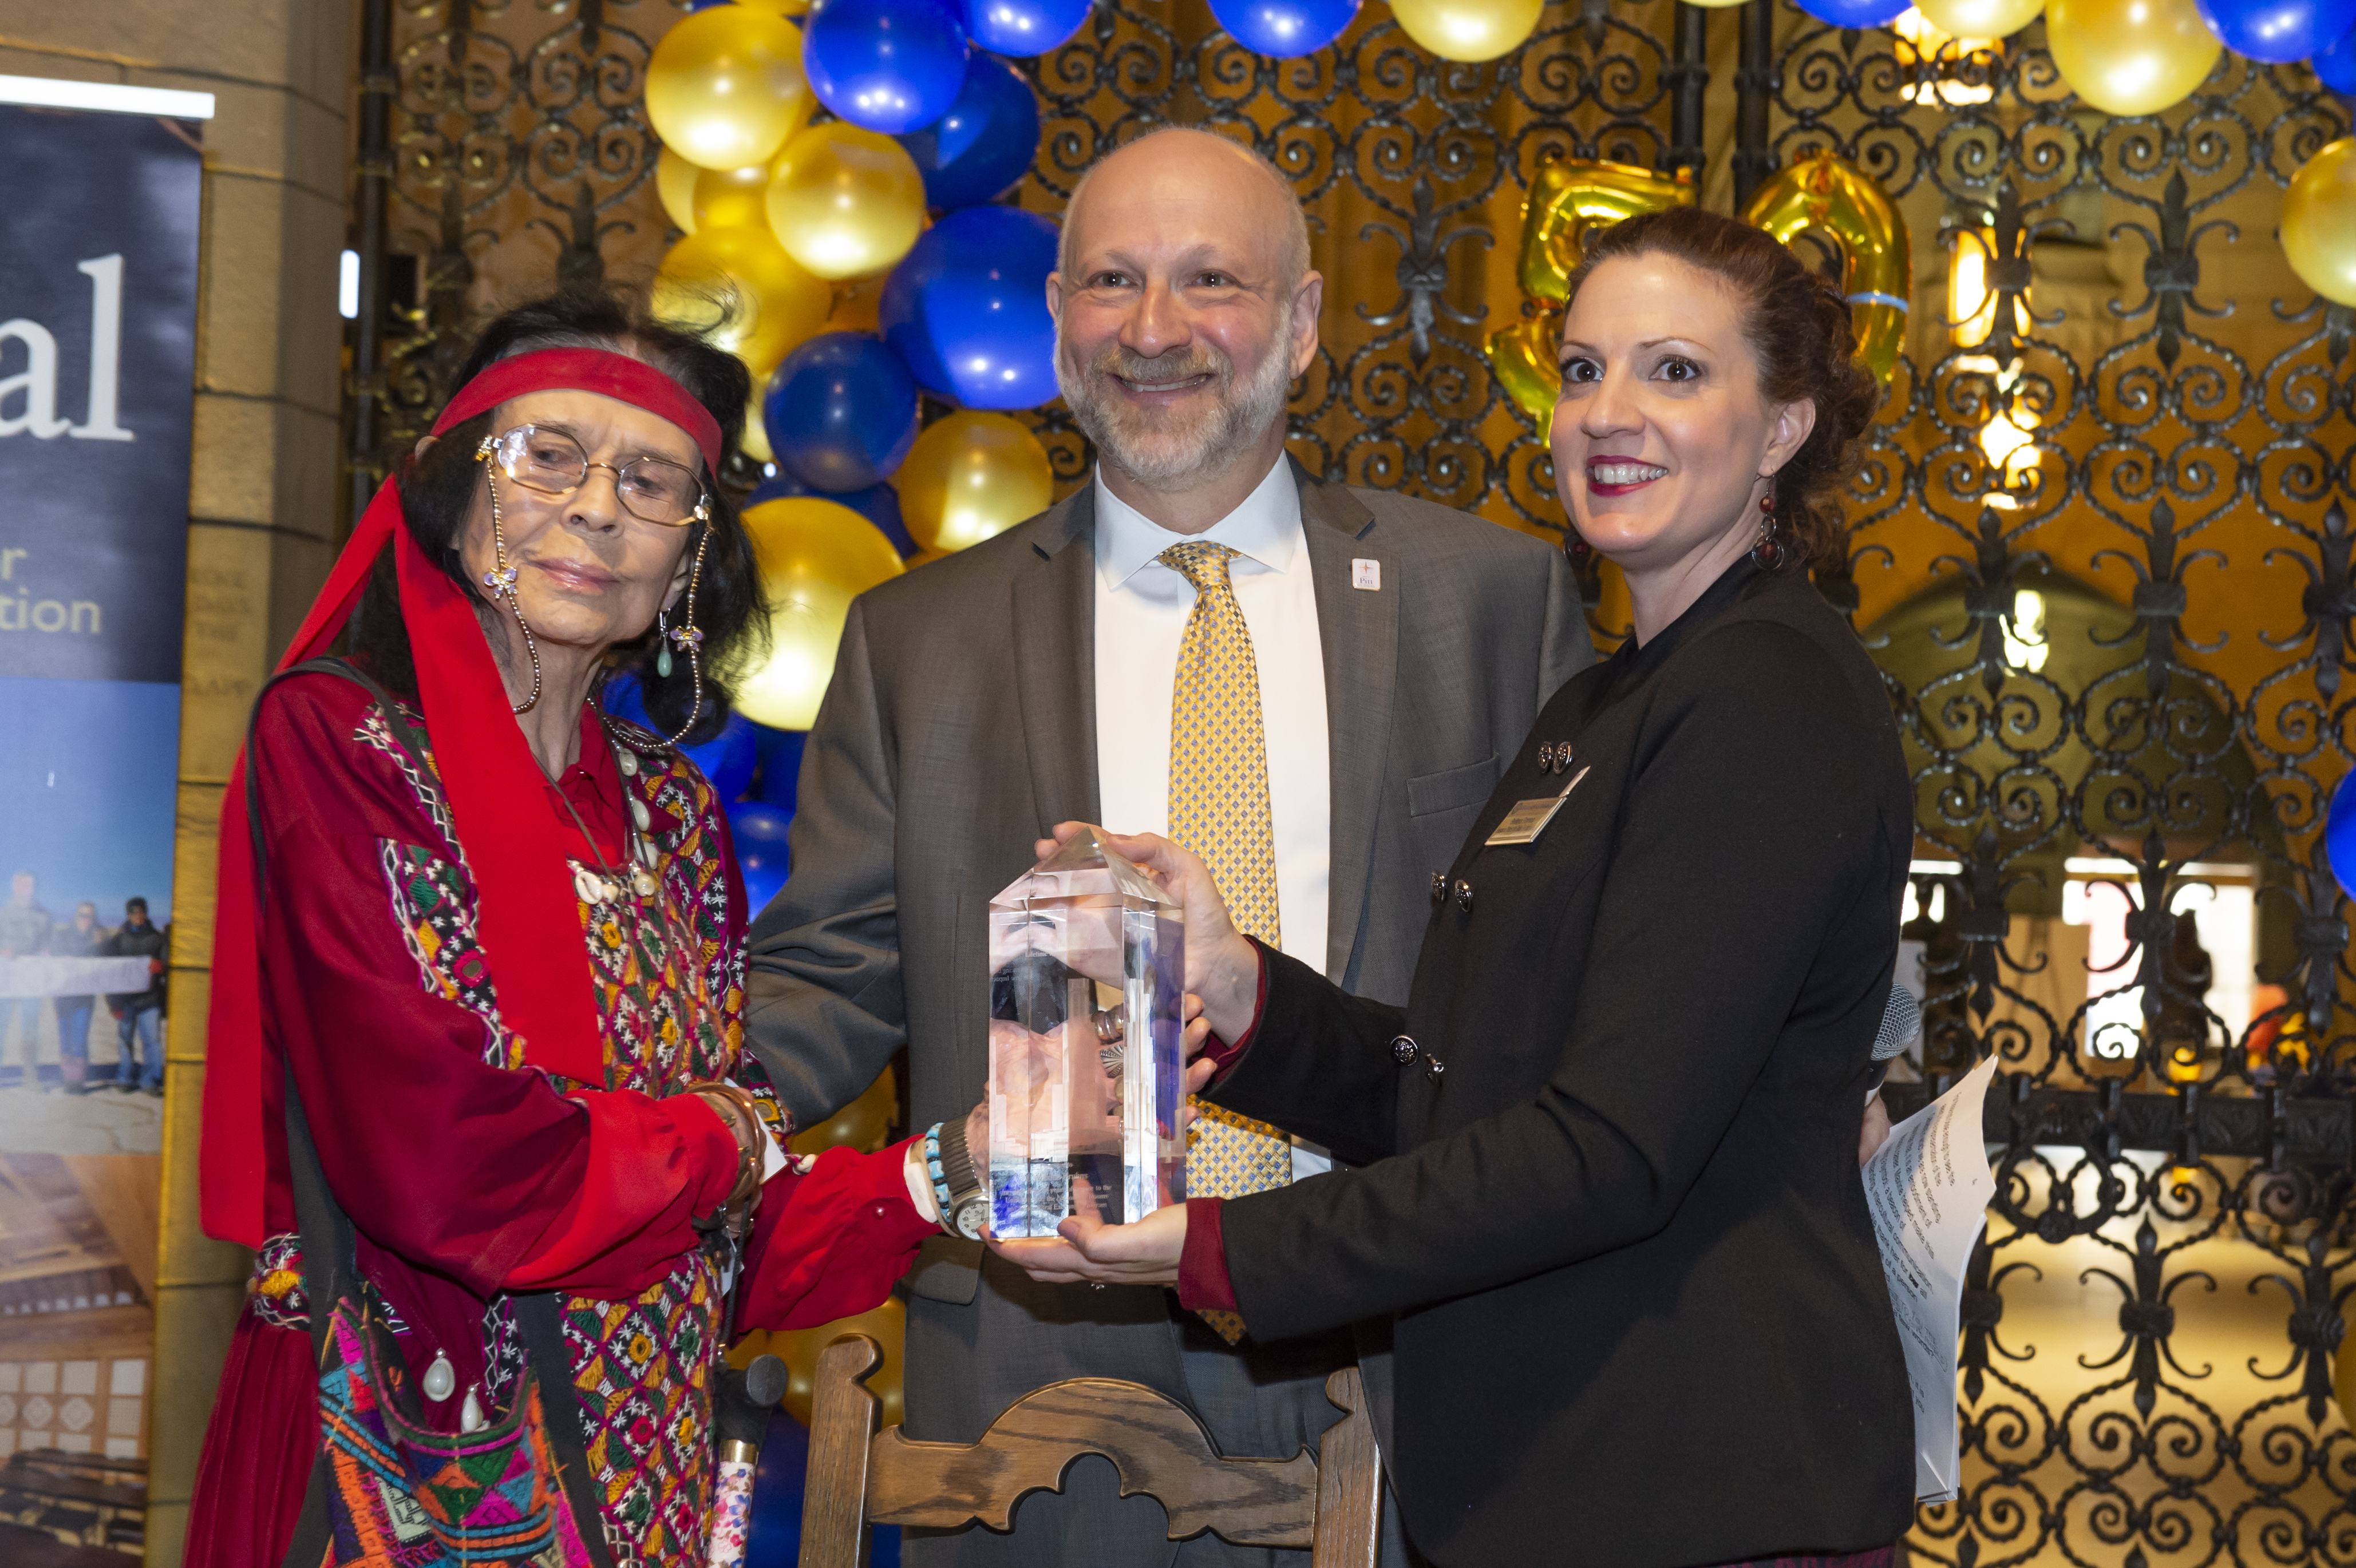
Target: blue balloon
x,y
2278,31
726,760
840,412
1025,26
889,65
781,764
1284,28
879,504
985,143
775,1538
1855,12
968,308
2335,63
761,860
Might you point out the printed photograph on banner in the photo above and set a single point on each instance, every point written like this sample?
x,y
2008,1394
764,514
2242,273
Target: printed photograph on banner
x,y
98,279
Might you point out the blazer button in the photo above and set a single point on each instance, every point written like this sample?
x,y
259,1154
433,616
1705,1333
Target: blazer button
x,y
1438,886
1404,1051
1465,895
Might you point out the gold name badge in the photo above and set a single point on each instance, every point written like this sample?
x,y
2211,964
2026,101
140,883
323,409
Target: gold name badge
x,y
1529,818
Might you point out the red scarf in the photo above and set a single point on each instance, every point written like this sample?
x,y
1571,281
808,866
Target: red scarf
x,y
530,924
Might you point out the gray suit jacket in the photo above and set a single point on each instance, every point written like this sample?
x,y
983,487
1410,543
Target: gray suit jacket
x,y
960,727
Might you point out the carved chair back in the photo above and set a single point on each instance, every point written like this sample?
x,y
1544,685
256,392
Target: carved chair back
x,y
1327,1503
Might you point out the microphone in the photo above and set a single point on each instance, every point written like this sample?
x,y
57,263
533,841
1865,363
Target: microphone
x,y
742,1404
1902,1026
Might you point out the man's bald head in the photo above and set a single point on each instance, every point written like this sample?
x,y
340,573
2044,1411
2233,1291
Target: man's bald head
x,y
1180,155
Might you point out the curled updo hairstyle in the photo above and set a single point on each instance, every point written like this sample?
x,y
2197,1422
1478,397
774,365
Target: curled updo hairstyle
x,y
437,492
1798,327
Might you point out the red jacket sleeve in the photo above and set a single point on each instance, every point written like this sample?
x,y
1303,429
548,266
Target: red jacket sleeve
x,y
830,1243
442,1154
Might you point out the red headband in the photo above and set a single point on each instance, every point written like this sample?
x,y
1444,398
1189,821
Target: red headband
x,y
586,370
528,921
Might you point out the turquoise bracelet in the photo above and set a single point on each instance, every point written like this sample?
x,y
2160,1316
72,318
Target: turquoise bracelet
x,y
933,1168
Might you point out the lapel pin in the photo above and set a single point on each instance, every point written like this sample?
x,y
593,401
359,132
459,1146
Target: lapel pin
x,y
1366,574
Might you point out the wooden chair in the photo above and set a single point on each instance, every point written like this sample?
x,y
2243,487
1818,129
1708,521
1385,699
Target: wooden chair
x,y
1329,1503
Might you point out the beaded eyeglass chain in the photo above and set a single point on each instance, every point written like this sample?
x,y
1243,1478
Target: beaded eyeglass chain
x,y
687,637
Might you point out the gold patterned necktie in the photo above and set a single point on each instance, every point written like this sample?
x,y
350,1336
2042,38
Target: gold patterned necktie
x,y
1218,809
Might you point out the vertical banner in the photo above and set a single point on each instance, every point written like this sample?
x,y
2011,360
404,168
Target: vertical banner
x,y
98,294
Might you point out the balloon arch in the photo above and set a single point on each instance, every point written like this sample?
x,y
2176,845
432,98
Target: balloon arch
x,y
2100,538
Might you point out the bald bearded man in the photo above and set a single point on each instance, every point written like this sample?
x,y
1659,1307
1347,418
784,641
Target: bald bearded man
x,y
1312,686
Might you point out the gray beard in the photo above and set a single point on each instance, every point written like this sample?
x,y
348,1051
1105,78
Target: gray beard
x,y
1174,461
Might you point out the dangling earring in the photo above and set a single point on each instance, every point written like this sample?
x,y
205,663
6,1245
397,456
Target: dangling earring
x,y
662,645
1766,549
501,579
689,638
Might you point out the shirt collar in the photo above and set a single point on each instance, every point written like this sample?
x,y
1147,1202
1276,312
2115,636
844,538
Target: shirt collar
x,y
1266,528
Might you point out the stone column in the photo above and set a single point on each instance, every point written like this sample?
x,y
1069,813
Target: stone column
x,y
262,524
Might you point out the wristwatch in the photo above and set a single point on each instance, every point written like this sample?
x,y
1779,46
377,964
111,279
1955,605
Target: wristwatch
x,y
968,1204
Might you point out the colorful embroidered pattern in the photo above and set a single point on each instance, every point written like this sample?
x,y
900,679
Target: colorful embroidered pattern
x,y
402,1498
644,1379
275,1288
435,912
670,1001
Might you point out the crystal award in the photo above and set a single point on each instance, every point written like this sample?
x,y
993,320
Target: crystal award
x,y
1086,964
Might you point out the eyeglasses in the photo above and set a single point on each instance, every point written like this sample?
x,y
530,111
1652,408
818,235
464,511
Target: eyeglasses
x,y
652,489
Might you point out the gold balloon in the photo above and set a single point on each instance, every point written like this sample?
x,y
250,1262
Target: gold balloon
x,y
800,1348
2130,57
846,201
725,88
972,475
1469,30
730,199
1569,197
675,188
739,288
1980,18
2318,222
779,7
815,556
1834,197
864,1125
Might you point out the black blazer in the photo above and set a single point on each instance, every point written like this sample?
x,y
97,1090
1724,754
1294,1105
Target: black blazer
x,y
1641,1315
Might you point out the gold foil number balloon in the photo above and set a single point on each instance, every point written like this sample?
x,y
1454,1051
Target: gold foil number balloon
x,y
2318,222
844,201
724,87
972,475
2130,57
738,287
1834,197
815,556
1568,198
1576,196
1469,30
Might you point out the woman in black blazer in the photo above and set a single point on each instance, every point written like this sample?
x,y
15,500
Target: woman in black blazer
x,y
1608,1152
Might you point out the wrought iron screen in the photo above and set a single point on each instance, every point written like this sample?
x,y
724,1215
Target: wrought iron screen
x,y
2103,556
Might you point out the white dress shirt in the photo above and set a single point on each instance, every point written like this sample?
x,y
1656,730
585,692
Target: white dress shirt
x,y
1142,611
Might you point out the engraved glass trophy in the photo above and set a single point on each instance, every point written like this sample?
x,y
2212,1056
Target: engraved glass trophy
x,y
1087,966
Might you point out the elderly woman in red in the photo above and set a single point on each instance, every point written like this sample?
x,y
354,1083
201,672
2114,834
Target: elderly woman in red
x,y
489,936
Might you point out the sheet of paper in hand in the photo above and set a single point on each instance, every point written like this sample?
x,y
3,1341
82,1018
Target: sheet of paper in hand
x,y
1929,1189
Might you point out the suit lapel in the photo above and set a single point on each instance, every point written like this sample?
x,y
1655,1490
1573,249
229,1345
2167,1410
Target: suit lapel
x,y
1055,660
1358,631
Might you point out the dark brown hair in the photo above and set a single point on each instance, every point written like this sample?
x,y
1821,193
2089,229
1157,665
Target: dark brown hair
x,y
1798,325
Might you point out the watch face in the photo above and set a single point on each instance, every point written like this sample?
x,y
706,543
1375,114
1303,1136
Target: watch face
x,y
971,1216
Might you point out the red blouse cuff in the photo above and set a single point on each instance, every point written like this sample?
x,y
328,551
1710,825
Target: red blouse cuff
x,y
1203,1282
1226,1054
